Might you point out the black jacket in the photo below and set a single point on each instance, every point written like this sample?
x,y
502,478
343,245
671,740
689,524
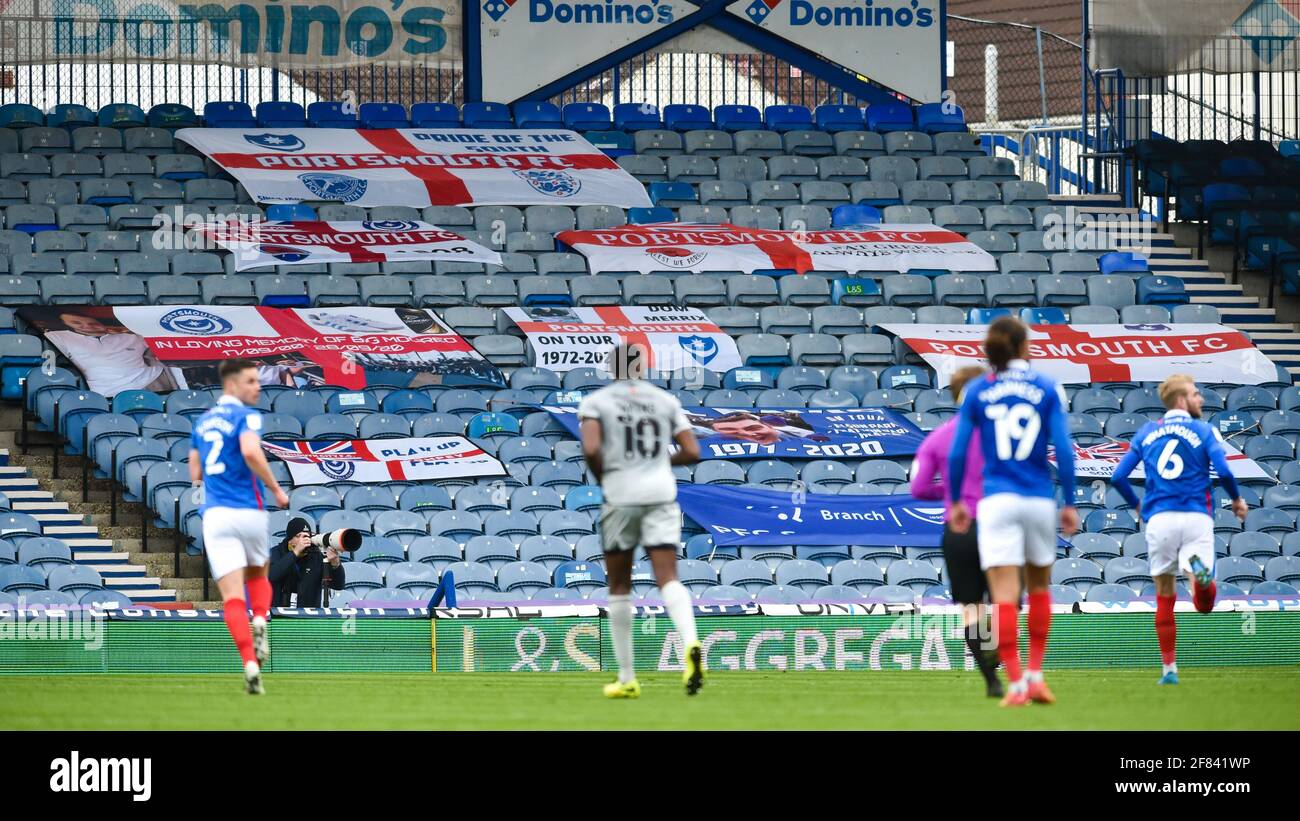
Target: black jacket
x,y
289,574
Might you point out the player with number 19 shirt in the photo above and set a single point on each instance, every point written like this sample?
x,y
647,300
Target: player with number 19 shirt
x,y
1018,413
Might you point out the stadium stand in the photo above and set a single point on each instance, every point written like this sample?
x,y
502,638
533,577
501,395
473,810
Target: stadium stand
x,y
76,208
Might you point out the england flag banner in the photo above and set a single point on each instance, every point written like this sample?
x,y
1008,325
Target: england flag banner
x,y
1076,354
563,339
789,433
1099,461
418,167
384,460
307,243
676,246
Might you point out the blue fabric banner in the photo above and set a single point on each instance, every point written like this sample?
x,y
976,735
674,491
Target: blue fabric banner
x,y
794,433
747,515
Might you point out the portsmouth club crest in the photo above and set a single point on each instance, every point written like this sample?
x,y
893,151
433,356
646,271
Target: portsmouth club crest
x,y
279,142
674,257
551,183
194,322
338,187
284,253
337,470
702,348
390,225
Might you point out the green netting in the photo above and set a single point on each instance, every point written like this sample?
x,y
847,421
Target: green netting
x,y
1079,641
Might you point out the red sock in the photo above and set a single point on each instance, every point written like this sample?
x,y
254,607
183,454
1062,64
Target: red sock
x,y
1040,622
236,615
1165,630
259,595
1203,597
1008,649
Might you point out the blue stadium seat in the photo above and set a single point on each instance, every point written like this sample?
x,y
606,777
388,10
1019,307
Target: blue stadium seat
x,y
331,114
687,117
223,114
486,115
934,118
890,116
636,117
383,115
435,115
737,118
586,116
280,114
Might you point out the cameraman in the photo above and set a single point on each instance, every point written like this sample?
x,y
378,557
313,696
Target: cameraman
x,y
298,568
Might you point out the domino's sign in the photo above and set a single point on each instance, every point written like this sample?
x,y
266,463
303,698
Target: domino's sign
x,y
575,34
606,13
894,42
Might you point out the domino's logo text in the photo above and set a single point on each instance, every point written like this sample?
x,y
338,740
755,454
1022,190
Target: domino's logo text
x,y
862,14
608,12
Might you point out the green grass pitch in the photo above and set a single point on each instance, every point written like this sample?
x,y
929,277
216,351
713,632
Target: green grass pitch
x,y
1255,698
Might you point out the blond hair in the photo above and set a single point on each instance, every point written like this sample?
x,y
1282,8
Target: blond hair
x,y
1180,384
960,377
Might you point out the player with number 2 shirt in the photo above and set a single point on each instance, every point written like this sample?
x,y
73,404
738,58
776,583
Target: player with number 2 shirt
x,y
1018,413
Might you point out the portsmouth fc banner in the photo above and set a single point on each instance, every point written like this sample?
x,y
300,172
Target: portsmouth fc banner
x,y
1099,461
1103,353
746,515
802,433
169,347
563,339
696,247
418,167
306,243
384,460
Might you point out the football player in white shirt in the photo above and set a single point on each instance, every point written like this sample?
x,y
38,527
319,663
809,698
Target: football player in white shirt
x,y
628,429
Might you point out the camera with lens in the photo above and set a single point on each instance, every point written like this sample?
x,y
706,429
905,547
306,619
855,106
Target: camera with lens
x,y
340,540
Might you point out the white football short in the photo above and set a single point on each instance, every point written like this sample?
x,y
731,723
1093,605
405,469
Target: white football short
x,y
626,527
1174,537
1017,530
235,537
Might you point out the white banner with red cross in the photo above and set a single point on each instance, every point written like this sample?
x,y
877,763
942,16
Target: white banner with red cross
x,y
418,166
1076,354
1099,461
676,246
384,460
305,243
563,339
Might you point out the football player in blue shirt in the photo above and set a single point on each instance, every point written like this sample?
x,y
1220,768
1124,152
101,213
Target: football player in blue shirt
x,y
1177,452
1018,413
226,456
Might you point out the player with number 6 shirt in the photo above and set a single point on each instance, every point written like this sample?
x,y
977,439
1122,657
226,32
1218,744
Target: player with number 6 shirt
x,y
1177,452
1018,413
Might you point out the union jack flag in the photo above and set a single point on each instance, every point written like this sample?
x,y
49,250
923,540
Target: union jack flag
x,y
312,453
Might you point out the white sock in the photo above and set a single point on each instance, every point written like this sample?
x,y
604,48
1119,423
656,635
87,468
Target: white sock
x,y
1033,675
681,608
620,633
1170,668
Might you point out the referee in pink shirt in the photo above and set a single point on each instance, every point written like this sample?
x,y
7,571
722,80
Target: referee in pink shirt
x,y
960,550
